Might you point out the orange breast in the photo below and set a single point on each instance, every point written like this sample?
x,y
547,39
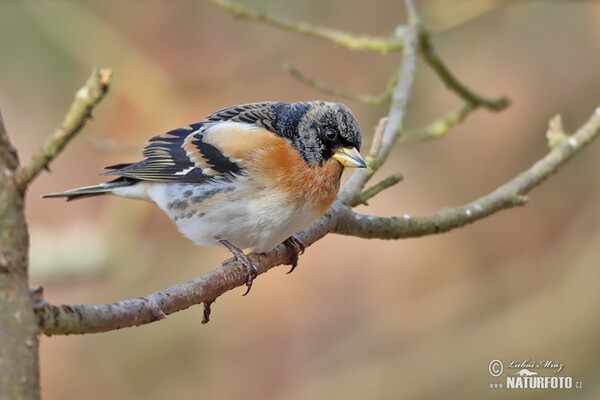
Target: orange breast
x,y
280,167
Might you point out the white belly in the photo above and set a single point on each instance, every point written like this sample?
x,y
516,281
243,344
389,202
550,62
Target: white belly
x,y
208,213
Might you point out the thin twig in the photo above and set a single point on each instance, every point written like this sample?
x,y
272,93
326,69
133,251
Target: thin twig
x,y
441,127
206,311
508,195
80,111
403,92
395,119
374,190
373,100
436,63
376,143
347,40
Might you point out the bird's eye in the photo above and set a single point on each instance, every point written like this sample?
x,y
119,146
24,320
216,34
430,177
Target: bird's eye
x,y
330,134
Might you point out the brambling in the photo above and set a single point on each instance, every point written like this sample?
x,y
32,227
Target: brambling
x,y
248,176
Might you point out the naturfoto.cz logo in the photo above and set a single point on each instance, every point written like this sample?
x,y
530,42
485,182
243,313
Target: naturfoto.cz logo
x,y
522,375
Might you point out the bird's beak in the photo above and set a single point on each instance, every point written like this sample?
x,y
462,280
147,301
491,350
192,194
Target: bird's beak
x,y
350,157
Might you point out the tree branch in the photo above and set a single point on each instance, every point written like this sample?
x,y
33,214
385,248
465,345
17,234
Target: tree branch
x,y
394,124
80,111
79,319
440,127
508,195
19,362
376,189
347,40
436,63
372,100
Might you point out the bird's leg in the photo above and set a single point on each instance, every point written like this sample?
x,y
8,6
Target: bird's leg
x,y
242,258
297,247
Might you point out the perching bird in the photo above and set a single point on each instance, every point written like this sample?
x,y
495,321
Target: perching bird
x,y
248,176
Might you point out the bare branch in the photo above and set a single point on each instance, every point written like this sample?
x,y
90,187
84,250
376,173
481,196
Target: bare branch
x,y
373,100
80,111
450,80
441,127
347,40
79,319
376,189
19,371
394,122
508,195
403,92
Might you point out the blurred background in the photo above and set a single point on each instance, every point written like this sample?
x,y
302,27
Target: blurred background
x,y
412,319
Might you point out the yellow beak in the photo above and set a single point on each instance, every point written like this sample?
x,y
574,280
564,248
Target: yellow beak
x,y
350,157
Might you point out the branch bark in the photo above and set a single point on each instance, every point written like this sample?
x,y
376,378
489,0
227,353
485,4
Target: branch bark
x,y
19,365
19,333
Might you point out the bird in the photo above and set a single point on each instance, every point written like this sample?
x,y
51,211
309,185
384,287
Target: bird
x,y
248,176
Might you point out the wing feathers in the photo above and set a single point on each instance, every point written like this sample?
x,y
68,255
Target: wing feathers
x,y
164,158
201,151
94,190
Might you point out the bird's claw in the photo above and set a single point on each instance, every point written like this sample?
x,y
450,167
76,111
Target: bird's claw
x,y
252,272
297,247
239,255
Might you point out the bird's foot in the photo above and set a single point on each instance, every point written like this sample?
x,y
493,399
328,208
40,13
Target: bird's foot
x,y
297,247
251,269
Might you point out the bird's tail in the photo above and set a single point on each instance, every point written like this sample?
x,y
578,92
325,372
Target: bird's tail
x,y
96,190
